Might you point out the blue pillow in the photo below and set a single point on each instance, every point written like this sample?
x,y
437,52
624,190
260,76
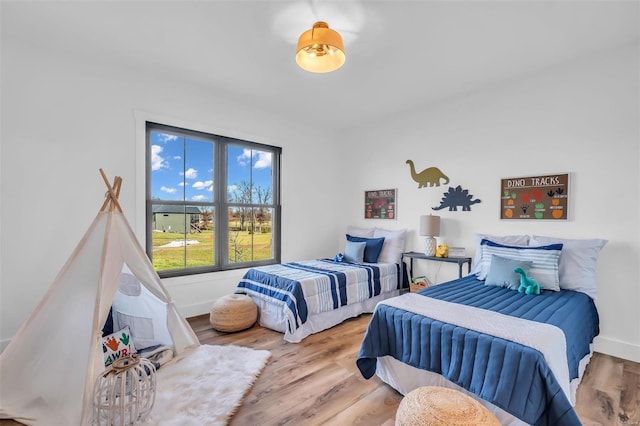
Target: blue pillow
x,y
501,272
372,248
545,267
354,251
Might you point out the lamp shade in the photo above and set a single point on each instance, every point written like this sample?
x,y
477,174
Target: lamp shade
x,y
430,225
320,49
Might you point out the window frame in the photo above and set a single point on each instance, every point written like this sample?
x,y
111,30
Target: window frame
x,y
220,203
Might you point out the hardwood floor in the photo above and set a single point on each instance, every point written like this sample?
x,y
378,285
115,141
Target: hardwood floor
x,y
316,382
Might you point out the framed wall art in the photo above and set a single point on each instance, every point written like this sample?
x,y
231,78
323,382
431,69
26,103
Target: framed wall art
x,y
380,204
535,197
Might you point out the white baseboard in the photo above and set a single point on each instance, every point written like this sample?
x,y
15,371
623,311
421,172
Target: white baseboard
x,y
195,309
617,348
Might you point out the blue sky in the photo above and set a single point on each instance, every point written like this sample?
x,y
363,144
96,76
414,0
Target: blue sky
x,y
183,167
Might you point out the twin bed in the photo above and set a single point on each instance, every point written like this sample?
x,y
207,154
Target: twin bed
x,y
302,298
520,355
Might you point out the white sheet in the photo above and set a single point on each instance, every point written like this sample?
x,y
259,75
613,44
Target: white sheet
x,y
274,317
546,338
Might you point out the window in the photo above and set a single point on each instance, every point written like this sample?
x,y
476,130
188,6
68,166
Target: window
x,y
213,202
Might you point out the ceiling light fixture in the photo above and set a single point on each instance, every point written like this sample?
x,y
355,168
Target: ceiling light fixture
x,y
320,49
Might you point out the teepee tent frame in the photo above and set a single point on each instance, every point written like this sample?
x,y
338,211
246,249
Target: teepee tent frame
x,y
48,370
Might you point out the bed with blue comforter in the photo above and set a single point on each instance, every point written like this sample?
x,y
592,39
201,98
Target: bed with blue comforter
x,y
509,374
301,298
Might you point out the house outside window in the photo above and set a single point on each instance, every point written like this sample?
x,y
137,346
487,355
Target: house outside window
x,y
212,202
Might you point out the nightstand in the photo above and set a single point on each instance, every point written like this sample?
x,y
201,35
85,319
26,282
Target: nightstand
x,y
459,260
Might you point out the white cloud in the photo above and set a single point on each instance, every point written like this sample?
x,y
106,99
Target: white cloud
x,y
261,159
191,173
202,185
168,190
232,188
199,198
157,161
181,184
177,157
166,138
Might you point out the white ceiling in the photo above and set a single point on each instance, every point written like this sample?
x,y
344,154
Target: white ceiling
x,y
400,54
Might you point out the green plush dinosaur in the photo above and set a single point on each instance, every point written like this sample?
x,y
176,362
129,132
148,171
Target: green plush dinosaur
x,y
527,284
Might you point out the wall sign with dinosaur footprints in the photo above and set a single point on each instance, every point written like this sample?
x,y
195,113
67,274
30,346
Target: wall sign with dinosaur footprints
x,y
535,197
380,204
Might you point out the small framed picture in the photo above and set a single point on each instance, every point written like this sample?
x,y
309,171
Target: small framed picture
x,y
380,204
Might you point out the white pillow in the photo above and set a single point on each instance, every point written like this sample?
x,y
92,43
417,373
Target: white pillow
x,y
544,268
137,308
393,245
577,262
117,345
360,232
510,240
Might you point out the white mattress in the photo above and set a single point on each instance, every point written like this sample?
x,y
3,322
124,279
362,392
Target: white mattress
x,y
272,316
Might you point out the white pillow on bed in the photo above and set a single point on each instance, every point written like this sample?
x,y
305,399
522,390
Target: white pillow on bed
x,y
577,262
360,232
356,232
393,245
510,240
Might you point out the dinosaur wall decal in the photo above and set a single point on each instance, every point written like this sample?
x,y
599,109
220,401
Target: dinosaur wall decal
x,y
455,197
428,177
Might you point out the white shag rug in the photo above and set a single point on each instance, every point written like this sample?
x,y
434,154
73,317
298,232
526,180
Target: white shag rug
x,y
206,386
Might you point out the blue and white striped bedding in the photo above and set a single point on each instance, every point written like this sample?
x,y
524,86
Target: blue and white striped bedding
x,y
315,286
510,375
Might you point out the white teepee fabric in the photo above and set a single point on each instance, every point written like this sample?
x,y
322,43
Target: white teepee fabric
x,y
47,372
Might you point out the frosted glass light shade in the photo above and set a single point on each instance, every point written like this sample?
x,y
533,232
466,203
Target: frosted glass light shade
x,y
320,49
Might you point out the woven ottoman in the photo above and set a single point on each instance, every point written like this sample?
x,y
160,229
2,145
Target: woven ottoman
x,y
438,406
233,312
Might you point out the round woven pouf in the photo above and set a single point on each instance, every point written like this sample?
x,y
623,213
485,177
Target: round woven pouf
x,y
438,406
233,312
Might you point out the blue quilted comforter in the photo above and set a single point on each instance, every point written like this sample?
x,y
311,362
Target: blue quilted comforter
x,y
513,377
314,286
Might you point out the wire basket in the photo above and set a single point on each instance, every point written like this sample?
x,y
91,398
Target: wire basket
x,y
125,392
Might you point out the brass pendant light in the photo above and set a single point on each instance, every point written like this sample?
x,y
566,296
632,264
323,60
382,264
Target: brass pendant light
x,y
320,49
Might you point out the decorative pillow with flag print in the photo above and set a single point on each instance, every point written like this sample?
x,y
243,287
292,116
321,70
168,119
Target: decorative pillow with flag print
x,y
117,345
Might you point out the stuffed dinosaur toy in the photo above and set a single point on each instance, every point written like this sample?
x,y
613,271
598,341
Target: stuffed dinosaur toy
x,y
527,284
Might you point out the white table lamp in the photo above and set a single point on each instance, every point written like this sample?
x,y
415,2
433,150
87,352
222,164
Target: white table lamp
x,y
430,227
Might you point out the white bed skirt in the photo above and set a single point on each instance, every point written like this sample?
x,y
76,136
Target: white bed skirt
x,y
272,316
404,378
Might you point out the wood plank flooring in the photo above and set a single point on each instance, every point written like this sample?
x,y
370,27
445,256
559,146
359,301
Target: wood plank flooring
x,y
316,382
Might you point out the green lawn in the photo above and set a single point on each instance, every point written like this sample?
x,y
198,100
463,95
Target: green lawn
x,y
201,254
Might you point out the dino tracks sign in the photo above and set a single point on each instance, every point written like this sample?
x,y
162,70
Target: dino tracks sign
x,y
535,197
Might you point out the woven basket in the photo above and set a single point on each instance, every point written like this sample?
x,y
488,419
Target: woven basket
x,y
438,406
233,312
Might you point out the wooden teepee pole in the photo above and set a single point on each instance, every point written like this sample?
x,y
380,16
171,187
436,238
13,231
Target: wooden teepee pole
x,y
113,192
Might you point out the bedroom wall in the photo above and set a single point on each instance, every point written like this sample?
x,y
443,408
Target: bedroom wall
x,y
580,117
64,118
